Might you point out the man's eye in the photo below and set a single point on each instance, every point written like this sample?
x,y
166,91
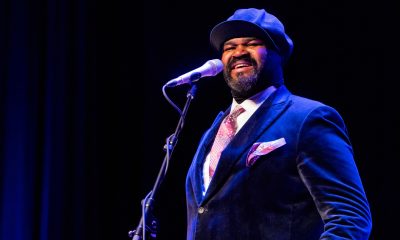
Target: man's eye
x,y
254,44
228,48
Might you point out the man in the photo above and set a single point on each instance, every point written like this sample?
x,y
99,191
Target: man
x,y
289,171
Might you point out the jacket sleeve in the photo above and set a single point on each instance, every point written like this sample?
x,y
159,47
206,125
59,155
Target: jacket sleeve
x,y
327,167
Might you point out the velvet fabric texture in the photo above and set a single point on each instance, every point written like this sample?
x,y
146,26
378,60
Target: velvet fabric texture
x,y
307,189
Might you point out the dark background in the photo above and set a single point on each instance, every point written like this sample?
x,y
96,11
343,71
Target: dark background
x,y
83,120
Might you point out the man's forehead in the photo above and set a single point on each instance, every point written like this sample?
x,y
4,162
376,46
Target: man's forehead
x,y
242,40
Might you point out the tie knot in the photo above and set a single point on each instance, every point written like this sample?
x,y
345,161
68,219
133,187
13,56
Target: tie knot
x,y
236,112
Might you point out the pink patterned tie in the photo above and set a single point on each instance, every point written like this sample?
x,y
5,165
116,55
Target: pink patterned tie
x,y
225,133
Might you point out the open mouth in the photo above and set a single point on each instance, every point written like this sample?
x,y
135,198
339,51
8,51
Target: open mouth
x,y
241,66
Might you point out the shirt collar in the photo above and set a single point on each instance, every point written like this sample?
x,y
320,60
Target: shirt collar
x,y
252,103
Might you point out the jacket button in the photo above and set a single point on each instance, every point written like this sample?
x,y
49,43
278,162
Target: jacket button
x,y
201,210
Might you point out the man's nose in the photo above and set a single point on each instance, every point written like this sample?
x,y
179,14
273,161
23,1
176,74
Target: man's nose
x,y
240,50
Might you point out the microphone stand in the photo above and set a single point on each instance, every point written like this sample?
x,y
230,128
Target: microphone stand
x,y
147,221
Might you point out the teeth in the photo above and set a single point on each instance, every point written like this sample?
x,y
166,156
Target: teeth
x,y
241,65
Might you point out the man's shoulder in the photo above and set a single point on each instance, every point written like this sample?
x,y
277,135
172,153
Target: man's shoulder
x,y
305,101
284,95
309,104
306,106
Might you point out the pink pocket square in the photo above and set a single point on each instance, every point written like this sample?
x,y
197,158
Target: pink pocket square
x,y
261,148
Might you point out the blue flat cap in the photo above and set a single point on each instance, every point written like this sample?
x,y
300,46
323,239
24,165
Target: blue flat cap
x,y
252,22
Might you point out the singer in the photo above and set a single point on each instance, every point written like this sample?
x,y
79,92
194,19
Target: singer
x,y
273,165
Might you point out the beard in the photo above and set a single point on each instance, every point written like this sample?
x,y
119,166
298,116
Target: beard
x,y
245,85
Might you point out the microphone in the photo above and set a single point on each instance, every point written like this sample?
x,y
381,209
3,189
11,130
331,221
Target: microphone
x,y
210,68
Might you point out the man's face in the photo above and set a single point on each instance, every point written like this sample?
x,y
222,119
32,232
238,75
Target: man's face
x,y
243,60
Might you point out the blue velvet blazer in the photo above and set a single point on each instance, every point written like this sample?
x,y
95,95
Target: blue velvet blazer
x,y
307,189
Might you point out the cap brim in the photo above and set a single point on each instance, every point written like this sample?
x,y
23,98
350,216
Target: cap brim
x,y
237,28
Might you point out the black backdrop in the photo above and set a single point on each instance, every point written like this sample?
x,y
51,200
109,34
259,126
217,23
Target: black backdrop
x,y
84,121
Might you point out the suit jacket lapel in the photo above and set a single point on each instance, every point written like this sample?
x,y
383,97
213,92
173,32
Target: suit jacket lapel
x,y
272,108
